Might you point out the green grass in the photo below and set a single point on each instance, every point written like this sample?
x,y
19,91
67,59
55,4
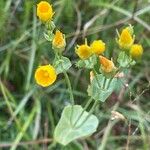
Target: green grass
x,y
29,113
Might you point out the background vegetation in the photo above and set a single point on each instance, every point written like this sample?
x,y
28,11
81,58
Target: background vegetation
x,y
29,114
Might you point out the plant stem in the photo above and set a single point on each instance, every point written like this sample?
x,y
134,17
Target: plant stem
x,y
90,113
95,73
85,107
67,80
69,87
109,82
104,83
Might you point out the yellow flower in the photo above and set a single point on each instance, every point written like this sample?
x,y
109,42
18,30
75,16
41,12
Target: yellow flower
x,y
136,51
98,47
83,51
44,11
45,75
59,40
125,40
106,65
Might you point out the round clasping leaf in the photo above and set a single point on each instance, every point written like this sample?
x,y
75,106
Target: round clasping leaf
x,y
65,132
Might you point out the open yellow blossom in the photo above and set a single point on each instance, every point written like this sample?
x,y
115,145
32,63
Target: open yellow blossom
x,y
136,51
45,75
98,47
106,65
59,40
125,40
44,11
83,51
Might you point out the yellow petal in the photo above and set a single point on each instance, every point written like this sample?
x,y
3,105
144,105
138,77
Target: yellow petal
x,y
106,64
126,40
136,51
44,11
59,40
83,51
98,47
45,75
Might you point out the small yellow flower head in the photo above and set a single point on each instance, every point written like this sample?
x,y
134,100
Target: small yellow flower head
x,y
98,47
125,40
45,75
59,40
106,65
44,11
136,51
83,51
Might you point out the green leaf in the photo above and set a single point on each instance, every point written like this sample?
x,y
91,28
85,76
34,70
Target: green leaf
x,y
65,132
97,91
123,59
87,63
49,37
62,64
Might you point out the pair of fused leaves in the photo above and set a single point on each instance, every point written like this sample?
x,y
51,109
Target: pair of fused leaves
x,y
62,64
87,63
50,26
124,60
49,36
98,91
65,131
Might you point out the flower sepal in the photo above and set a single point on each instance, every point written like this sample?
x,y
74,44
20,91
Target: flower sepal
x,y
101,87
87,63
109,75
62,64
50,26
124,60
49,36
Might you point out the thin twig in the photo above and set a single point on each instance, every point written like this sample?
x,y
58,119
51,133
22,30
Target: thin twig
x,y
129,133
34,142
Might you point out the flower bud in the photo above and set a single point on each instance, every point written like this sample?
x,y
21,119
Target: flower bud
x,y
83,51
98,47
136,51
126,40
107,65
59,41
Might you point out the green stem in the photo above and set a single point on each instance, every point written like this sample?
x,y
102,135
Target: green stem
x,y
109,82
67,80
69,87
71,94
90,113
86,106
104,83
95,73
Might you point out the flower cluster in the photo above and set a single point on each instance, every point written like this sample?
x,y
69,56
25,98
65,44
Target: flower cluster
x,y
84,51
46,75
126,42
104,74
